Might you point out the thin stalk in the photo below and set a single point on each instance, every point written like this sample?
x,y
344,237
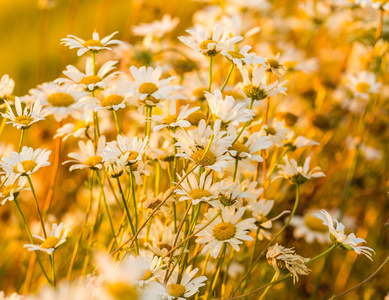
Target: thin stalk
x,y
210,74
252,256
216,275
149,111
236,169
31,238
322,254
96,121
21,140
228,77
132,181
37,206
106,205
269,287
53,270
115,114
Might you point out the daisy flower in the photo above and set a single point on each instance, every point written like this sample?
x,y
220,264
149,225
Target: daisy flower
x,y
225,229
227,110
82,128
186,287
23,119
7,86
132,149
55,239
171,120
27,162
242,57
89,81
88,157
114,97
229,194
12,186
196,190
161,238
193,145
339,238
298,174
94,45
257,88
209,44
276,131
280,257
148,89
363,84
301,142
59,101
114,166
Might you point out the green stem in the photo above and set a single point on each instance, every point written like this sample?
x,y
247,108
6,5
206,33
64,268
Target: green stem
x,y
21,140
210,74
228,77
149,111
322,254
37,206
115,114
132,181
236,169
31,238
128,214
94,62
106,206
269,287
53,269
96,121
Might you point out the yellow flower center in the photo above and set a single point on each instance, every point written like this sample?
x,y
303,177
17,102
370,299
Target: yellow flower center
x,y
226,201
270,130
50,242
60,99
170,119
176,290
290,65
199,193
93,79
133,155
148,88
204,44
122,291
254,92
195,117
93,43
79,125
7,190
28,165
362,87
164,246
235,54
208,159
93,161
314,223
224,231
24,120
112,100
239,148
147,275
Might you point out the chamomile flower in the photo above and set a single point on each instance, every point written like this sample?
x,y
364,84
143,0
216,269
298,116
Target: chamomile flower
x,y
338,236
242,57
256,88
298,174
12,185
197,190
55,239
93,45
363,84
148,89
13,296
23,119
209,44
229,194
171,120
193,145
7,86
132,149
225,229
186,287
280,257
59,101
227,110
301,142
277,132
114,166
27,162
82,128
88,157
89,81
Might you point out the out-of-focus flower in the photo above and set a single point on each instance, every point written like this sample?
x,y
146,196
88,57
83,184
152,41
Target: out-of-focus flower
x,y
131,150
242,57
93,45
363,84
7,86
280,257
12,185
339,238
55,239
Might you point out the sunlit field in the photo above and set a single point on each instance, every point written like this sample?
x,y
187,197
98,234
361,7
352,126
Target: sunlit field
x,y
163,150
